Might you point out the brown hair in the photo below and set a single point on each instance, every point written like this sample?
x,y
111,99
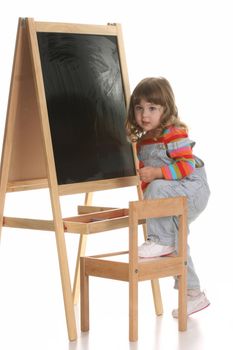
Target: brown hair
x,y
159,92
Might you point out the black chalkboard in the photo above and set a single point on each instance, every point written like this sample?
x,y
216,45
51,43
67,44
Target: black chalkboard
x,y
86,106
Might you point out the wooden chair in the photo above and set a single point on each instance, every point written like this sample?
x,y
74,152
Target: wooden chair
x,y
134,269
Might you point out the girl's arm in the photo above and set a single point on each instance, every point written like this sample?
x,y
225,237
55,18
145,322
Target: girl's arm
x,y
179,149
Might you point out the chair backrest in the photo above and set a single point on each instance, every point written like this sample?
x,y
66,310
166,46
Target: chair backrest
x,y
155,208
144,209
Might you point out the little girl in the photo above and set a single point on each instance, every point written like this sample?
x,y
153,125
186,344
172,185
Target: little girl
x,y
167,168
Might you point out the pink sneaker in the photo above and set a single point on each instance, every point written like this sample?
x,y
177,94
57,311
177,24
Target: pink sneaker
x,y
194,304
150,249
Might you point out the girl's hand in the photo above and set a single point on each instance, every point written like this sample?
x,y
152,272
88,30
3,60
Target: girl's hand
x,y
149,173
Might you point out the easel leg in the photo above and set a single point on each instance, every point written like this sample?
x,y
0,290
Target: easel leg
x,y
3,186
84,297
2,200
63,263
155,289
155,283
10,125
81,252
157,297
66,286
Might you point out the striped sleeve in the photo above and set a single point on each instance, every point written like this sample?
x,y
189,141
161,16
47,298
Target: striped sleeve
x,y
179,149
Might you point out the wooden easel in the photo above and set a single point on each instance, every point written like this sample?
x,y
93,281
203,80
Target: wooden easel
x,y
28,158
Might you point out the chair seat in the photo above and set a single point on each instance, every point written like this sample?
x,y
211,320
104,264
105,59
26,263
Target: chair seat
x,y
116,266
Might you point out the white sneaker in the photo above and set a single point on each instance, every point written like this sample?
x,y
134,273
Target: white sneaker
x,y
150,249
194,304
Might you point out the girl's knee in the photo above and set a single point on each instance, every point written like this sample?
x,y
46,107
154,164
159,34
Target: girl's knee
x,y
158,189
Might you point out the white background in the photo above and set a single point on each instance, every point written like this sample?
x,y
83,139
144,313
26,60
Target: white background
x,y
189,43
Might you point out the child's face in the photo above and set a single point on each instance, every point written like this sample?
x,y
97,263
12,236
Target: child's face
x,y
148,115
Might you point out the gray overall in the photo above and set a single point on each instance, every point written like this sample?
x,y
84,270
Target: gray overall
x,y
194,187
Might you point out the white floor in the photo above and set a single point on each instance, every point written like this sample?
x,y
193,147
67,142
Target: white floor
x,y
32,315
31,305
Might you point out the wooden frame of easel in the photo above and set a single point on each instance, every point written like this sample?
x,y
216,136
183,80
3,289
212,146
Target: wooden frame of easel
x,y
27,123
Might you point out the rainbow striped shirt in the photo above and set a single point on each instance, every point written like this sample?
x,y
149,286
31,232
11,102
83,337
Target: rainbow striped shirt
x,y
179,149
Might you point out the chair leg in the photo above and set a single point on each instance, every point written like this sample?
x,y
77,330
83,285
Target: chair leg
x,y
84,297
133,310
182,311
